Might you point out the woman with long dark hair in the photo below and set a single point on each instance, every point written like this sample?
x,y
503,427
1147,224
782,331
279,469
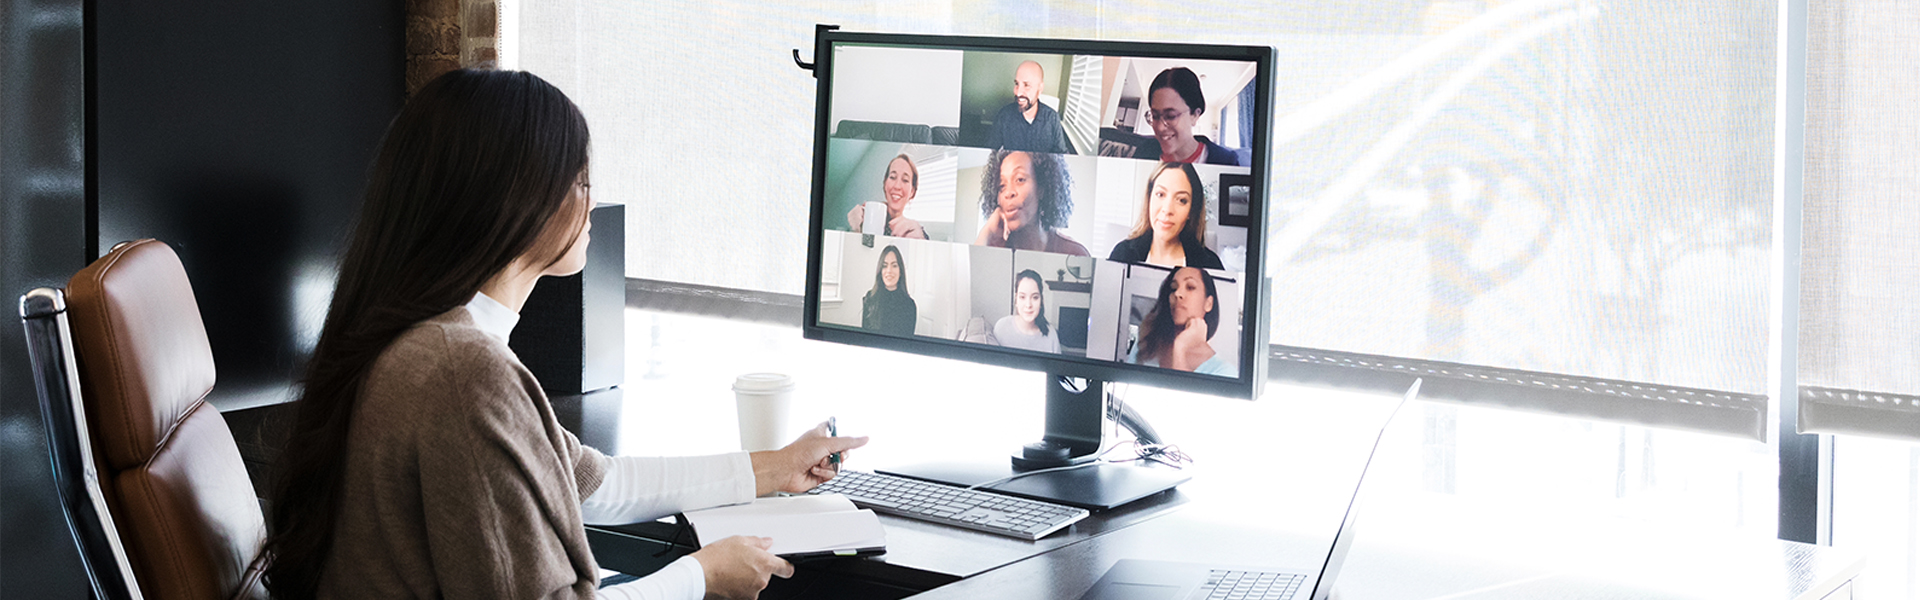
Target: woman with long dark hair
x,y
887,307
424,460
1172,225
1174,333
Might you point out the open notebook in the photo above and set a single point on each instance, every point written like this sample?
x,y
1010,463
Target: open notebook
x,y
801,526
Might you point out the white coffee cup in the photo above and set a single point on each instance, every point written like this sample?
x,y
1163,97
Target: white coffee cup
x,y
764,401
874,220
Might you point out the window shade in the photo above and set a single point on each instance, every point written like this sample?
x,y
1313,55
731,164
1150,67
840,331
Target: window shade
x,y
1572,189
1859,346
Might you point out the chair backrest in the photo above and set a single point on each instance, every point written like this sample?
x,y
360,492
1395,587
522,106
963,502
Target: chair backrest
x,y
43,314
168,465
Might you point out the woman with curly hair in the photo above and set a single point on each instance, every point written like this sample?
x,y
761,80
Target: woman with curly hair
x,y
1024,201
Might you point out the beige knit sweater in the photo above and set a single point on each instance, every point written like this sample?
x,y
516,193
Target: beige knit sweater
x,y
459,482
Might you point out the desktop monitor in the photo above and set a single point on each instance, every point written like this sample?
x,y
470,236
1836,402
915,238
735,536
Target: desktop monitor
x,y
1092,209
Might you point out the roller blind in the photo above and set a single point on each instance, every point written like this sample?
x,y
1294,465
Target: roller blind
x,y
1559,204
1859,350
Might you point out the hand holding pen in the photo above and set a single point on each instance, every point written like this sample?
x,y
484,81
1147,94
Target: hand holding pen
x,y
803,464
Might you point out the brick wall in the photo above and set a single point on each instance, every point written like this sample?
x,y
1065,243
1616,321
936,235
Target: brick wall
x,y
443,35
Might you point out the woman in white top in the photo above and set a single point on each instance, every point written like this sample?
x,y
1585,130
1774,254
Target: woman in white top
x,y
1027,327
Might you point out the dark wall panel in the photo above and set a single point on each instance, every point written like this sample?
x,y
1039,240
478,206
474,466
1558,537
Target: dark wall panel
x,y
237,131
240,132
42,242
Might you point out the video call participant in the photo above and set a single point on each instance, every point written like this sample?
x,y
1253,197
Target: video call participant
x,y
888,308
1025,123
1025,199
1027,327
1174,103
424,459
1174,333
902,182
1173,221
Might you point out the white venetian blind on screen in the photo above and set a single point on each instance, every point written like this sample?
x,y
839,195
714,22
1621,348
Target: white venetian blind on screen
x,y
1081,115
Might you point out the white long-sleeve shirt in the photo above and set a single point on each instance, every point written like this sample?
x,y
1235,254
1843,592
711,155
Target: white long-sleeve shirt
x,y
643,489
646,488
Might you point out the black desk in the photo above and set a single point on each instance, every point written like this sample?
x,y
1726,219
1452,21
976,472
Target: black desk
x,y
920,556
1271,480
1232,514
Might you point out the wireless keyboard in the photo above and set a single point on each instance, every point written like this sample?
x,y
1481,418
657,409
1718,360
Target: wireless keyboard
x,y
948,505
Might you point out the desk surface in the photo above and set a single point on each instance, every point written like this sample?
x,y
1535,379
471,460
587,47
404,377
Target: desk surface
x,y
1271,480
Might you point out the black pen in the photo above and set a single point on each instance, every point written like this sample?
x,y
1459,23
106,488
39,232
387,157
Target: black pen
x,y
833,430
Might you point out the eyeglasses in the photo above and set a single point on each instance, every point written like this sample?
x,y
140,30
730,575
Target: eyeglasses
x,y
1165,115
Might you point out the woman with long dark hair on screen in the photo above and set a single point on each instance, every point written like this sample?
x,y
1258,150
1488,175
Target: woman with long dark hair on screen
x,y
888,308
1172,223
424,460
1027,327
900,185
1025,199
1174,104
1175,332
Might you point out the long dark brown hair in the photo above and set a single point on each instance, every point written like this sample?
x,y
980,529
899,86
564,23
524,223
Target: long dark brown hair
x,y
879,277
1194,230
1039,285
470,174
1157,328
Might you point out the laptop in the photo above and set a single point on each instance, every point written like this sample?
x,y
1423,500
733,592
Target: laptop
x,y
1132,579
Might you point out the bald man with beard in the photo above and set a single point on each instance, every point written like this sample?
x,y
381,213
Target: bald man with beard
x,y
1026,124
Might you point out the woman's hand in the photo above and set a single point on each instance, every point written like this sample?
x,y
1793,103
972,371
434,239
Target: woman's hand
x,y
740,566
1190,347
906,228
993,232
856,217
802,465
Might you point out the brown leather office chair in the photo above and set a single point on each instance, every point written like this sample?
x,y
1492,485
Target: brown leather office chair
x,y
170,470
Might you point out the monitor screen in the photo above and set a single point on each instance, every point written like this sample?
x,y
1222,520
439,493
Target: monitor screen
x,y
1088,208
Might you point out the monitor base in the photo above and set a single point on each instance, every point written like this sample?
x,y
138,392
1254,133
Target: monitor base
x,y
1100,487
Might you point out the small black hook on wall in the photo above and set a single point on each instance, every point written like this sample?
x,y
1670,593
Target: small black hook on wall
x,y
818,28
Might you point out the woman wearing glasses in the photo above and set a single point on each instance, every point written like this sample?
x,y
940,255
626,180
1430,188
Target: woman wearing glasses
x,y
1174,104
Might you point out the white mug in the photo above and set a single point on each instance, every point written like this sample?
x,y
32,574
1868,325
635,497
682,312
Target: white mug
x,y
875,220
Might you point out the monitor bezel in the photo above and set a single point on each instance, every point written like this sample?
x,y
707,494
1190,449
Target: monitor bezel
x,y
1255,285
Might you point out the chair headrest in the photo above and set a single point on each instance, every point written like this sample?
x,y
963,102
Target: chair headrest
x,y
142,348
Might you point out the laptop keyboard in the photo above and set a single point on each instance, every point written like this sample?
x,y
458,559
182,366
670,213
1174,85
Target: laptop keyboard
x,y
1248,585
950,505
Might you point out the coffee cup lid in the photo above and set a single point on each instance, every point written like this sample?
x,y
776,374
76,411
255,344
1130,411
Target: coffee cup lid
x,y
763,382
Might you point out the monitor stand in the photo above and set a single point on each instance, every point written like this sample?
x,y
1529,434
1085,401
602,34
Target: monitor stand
x,y
1076,430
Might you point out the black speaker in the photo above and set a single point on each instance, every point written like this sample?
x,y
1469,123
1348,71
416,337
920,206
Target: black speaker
x,y
572,331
